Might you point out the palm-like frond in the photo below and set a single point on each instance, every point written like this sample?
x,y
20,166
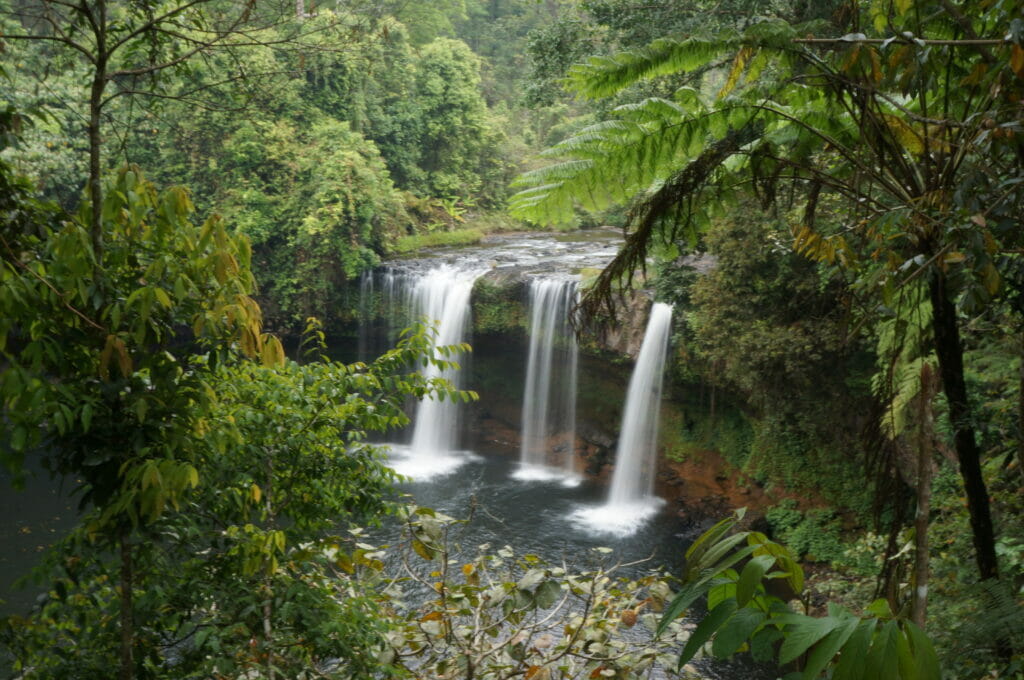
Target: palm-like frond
x,y
605,76
611,162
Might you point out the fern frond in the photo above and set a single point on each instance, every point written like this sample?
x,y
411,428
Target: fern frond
x,y
605,76
609,163
662,202
658,109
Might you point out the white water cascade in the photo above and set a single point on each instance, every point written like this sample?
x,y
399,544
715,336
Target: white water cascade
x,y
548,440
631,499
441,296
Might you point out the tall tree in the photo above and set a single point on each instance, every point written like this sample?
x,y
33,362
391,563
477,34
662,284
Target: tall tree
x,y
130,49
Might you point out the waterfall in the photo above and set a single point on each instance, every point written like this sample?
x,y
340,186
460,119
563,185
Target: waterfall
x,y
549,397
441,296
631,499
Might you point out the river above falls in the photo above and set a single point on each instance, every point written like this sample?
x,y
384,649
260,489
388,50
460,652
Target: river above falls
x,y
529,252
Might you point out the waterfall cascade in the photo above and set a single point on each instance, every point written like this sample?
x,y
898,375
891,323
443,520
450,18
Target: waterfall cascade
x,y
549,397
441,296
631,499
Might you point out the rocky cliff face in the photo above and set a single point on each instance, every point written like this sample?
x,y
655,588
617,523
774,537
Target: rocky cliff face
x,y
499,306
625,335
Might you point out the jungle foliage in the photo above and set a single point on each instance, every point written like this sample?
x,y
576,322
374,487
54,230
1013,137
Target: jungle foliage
x,y
882,143
853,169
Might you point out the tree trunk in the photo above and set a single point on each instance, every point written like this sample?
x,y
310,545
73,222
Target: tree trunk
x,y
919,606
951,365
127,669
268,585
99,84
1020,412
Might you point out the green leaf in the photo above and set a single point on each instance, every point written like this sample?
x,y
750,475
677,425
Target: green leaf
x,y
803,632
751,576
693,590
824,652
882,660
924,653
705,629
762,647
162,297
548,594
880,608
18,437
736,632
700,546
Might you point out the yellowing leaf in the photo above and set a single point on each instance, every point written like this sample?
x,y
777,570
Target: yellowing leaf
x,y
422,550
124,361
738,64
992,280
907,136
108,350
903,5
876,64
1017,60
249,343
976,74
272,353
345,563
851,59
162,297
537,673
954,257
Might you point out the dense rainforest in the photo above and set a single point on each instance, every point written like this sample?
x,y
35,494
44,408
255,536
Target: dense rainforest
x,y
829,194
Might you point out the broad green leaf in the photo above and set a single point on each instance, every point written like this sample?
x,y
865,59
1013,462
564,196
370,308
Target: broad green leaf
x,y
694,589
736,632
751,576
826,650
548,594
925,659
762,646
803,632
705,629
698,547
882,659
880,608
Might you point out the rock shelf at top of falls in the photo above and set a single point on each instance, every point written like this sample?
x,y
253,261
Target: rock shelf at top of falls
x,y
525,254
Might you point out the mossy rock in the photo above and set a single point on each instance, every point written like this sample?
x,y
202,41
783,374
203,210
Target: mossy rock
x,y
498,305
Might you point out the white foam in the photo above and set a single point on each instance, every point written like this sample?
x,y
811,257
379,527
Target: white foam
x,y
421,466
543,473
619,519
